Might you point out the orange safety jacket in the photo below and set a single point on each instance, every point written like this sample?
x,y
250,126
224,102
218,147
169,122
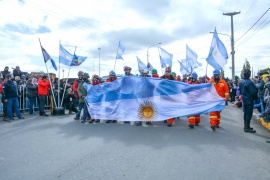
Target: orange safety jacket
x,y
221,88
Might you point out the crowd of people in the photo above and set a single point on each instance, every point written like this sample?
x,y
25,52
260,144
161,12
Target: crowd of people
x,y
35,92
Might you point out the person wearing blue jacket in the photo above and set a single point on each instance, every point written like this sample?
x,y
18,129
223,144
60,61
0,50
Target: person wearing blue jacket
x,y
248,91
10,96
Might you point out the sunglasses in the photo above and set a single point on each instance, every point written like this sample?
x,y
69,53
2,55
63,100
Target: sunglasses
x,y
167,71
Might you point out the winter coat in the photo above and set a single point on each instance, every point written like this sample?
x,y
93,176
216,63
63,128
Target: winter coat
x,y
81,92
10,89
260,87
167,77
31,90
17,73
248,91
4,73
221,88
43,87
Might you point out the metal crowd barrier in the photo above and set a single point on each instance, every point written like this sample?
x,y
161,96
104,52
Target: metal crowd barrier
x,y
24,101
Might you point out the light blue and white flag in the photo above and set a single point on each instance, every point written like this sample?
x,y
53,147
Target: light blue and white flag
x,y
191,57
218,55
77,60
141,65
187,65
120,51
183,68
135,98
64,56
165,58
150,67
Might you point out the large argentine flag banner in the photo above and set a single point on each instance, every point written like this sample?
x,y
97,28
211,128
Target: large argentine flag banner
x,y
135,98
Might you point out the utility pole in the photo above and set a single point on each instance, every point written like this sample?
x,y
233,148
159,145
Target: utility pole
x,y
99,60
232,40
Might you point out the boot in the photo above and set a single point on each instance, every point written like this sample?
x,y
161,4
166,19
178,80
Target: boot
x,y
191,126
248,129
213,127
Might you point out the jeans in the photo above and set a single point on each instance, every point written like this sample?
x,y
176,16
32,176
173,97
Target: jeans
x,y
260,104
13,102
80,107
32,102
42,101
85,113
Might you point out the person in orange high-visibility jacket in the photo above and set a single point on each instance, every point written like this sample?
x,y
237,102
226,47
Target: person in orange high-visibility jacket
x,y
194,119
168,76
222,89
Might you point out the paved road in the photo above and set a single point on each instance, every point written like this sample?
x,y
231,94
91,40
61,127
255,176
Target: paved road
x,y
62,148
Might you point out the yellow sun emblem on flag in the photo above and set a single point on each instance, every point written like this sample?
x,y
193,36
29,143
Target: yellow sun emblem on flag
x,y
147,111
215,52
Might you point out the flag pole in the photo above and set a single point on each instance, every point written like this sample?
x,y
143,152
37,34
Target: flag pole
x,y
206,72
159,60
47,72
67,78
58,98
116,56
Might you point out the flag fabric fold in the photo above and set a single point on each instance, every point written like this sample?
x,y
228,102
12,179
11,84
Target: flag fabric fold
x,y
77,60
191,57
135,98
47,57
64,56
165,58
141,65
218,55
183,69
120,51
150,67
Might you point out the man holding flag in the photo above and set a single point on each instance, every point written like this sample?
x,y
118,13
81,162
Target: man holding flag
x,y
217,58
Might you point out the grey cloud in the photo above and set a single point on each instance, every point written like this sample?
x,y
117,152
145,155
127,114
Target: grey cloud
x,y
149,8
23,29
78,22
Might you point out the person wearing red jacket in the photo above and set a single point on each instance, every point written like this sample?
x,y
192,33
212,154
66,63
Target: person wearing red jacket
x,y
168,76
75,90
155,73
223,91
112,77
43,89
194,119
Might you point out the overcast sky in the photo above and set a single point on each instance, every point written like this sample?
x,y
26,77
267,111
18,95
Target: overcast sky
x,y
138,24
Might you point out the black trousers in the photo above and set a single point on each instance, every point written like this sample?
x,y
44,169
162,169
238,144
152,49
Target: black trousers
x,y
42,102
71,107
248,111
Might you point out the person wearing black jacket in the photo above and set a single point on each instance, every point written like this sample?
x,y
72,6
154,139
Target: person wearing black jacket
x,y
17,72
5,72
31,93
10,95
248,91
69,101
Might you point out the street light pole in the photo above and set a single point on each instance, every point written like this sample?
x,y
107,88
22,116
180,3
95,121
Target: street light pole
x,y
232,40
148,49
99,60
